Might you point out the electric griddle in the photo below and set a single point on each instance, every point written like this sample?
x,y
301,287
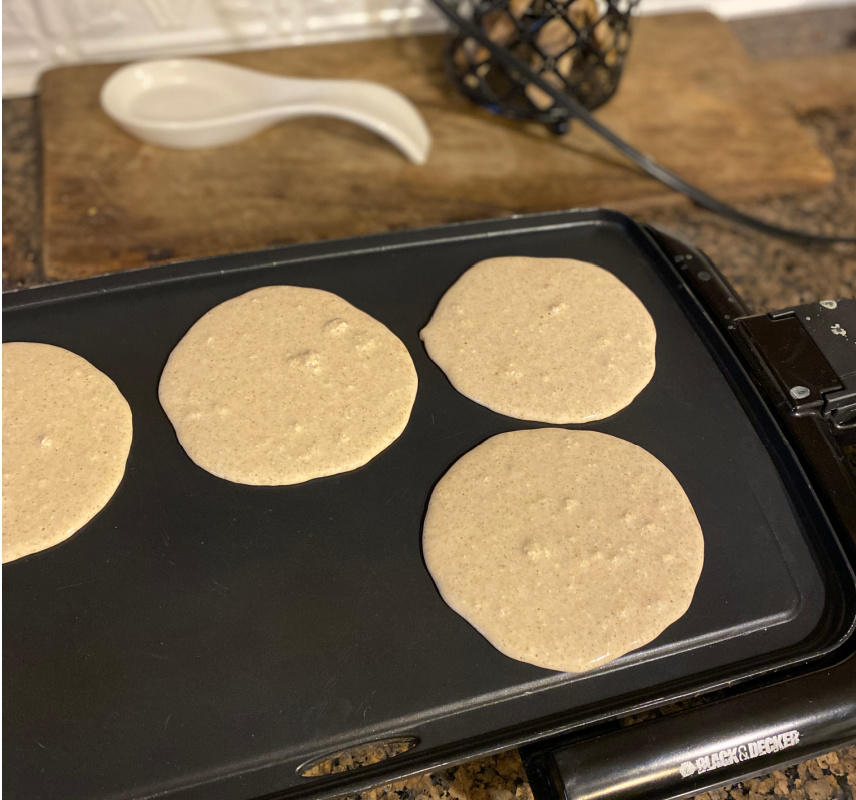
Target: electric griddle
x,y
204,639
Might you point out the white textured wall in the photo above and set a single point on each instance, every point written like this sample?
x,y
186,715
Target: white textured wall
x,y
39,34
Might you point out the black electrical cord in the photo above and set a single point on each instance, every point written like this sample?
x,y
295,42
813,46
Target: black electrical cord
x,y
521,73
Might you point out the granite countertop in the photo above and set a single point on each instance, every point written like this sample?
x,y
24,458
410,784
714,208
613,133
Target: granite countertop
x,y
767,273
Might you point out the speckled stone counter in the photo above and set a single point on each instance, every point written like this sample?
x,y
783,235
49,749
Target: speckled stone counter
x,y
22,213
767,273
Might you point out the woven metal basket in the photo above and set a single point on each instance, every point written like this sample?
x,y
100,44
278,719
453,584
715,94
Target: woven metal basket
x,y
578,46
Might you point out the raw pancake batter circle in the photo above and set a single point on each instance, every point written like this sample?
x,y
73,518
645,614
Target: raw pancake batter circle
x,y
565,549
66,437
285,384
549,339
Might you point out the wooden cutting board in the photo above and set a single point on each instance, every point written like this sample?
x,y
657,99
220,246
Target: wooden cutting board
x,y
690,97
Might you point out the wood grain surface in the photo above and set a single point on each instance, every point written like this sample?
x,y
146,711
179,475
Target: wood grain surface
x,y
691,97
816,82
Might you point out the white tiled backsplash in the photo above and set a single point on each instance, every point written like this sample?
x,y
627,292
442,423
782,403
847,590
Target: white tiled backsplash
x,y
39,34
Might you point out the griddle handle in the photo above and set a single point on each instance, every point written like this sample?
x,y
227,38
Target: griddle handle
x,y
702,748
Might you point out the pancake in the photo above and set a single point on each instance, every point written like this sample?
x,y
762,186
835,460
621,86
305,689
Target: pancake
x,y
565,549
285,384
548,339
66,437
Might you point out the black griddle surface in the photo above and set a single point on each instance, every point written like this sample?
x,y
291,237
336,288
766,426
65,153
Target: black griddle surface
x,y
206,638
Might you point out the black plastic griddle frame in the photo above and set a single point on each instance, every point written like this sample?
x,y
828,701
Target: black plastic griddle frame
x,y
768,723
702,311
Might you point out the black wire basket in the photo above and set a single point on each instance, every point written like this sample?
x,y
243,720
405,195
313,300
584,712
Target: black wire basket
x,y
578,46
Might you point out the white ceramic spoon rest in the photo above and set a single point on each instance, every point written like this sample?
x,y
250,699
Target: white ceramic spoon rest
x,y
198,102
